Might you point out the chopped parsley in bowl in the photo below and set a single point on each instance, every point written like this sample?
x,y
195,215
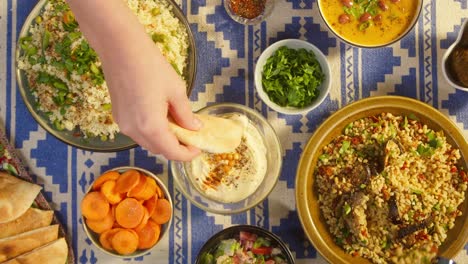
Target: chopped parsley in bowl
x,y
292,76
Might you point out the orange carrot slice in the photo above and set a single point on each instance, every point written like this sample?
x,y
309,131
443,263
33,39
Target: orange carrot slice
x,y
147,191
156,227
106,236
150,204
163,211
102,225
108,189
94,206
140,186
144,220
124,242
159,192
129,213
110,175
127,181
148,236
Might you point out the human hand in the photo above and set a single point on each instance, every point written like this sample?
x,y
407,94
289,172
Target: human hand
x,y
144,88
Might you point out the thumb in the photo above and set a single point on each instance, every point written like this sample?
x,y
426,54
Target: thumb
x,y
181,112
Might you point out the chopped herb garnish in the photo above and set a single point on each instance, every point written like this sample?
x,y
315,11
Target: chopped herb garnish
x,y
344,147
292,77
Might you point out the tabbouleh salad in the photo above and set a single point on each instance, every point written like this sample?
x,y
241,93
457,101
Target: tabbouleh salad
x,y
390,188
65,75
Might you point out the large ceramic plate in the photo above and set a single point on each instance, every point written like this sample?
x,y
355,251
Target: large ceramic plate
x,y
10,163
306,195
121,142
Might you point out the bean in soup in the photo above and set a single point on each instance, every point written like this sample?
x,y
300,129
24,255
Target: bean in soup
x,y
369,22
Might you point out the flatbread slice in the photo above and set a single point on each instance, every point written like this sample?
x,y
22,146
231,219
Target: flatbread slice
x,y
32,219
55,252
16,196
217,135
13,246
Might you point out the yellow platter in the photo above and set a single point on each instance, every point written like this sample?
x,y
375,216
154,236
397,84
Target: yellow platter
x,y
307,202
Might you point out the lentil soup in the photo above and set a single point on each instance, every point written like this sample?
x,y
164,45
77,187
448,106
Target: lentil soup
x,y
369,22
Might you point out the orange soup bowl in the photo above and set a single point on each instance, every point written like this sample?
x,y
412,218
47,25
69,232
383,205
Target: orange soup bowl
x,y
370,24
126,212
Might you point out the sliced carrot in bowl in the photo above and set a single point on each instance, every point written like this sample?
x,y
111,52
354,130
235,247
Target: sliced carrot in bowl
x,y
95,206
129,213
124,242
110,175
127,181
106,237
162,212
101,225
108,189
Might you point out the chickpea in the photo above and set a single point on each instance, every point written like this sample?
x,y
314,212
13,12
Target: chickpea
x,y
347,3
365,17
230,156
383,5
236,156
344,18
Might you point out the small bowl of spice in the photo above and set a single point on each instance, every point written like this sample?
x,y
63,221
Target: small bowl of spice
x,y
455,60
292,76
249,12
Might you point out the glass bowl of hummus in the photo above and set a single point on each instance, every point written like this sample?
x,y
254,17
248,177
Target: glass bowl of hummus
x,y
230,183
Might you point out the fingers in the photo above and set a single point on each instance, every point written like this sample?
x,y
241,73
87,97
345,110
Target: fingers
x,y
181,112
158,139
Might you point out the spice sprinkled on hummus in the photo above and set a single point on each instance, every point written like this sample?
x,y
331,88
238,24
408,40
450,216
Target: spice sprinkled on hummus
x,y
232,177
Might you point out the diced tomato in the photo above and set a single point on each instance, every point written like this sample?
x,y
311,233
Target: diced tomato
x,y
355,254
356,140
464,176
364,232
270,261
262,250
421,236
404,166
453,169
421,176
236,260
247,236
434,249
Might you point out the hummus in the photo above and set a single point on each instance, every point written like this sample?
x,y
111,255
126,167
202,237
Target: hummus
x,y
231,177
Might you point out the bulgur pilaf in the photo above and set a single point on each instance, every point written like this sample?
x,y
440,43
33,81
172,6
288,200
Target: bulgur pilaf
x,y
389,189
64,72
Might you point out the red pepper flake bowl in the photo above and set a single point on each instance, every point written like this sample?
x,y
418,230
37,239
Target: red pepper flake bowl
x,y
249,12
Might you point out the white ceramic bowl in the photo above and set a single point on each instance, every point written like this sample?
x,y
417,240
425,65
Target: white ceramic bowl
x,y
94,237
294,44
446,68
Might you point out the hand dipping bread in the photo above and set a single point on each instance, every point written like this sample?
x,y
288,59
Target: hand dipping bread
x,y
217,134
233,162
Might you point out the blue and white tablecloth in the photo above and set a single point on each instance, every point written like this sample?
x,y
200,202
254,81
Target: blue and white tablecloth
x,y
227,52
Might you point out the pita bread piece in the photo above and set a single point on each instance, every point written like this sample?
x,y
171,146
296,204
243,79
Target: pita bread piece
x,y
32,219
13,246
55,252
16,196
217,135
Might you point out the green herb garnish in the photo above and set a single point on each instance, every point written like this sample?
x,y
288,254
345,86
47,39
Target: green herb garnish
x,y
291,77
